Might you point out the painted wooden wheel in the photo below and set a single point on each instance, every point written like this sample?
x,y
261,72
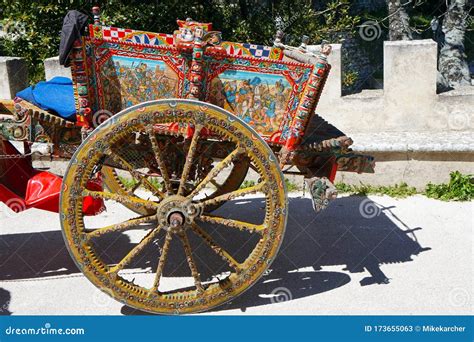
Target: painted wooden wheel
x,y
233,180
176,258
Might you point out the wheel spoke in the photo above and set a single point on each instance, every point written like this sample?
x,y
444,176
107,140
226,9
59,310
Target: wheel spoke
x,y
135,187
217,185
159,160
215,247
189,258
215,171
232,223
135,202
253,167
135,251
161,262
120,227
189,159
234,194
139,177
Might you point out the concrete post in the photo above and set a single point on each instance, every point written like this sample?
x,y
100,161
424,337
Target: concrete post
x,y
410,69
52,68
13,76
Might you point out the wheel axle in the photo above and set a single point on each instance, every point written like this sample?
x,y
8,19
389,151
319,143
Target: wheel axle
x,y
176,219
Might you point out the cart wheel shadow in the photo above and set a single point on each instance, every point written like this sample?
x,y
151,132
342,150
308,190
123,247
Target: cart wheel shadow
x,y
4,302
354,232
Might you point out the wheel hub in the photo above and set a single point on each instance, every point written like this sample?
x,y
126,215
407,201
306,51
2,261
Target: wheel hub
x,y
176,213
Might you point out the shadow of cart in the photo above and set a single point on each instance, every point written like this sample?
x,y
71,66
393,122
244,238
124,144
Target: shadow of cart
x,y
354,232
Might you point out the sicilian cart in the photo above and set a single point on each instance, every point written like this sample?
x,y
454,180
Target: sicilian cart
x,y
178,130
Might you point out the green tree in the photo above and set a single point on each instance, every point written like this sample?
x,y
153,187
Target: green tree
x,y
35,28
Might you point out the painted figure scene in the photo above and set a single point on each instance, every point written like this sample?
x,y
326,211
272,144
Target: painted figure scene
x,y
259,99
136,81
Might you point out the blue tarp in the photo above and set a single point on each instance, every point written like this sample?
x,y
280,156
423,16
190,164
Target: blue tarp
x,y
56,95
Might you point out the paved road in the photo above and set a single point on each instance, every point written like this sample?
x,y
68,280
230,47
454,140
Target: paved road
x,y
328,264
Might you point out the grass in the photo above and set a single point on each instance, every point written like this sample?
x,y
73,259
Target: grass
x,y
401,190
130,183
290,186
247,184
459,188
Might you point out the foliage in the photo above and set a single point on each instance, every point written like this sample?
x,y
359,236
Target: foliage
x,y
401,190
344,187
247,184
239,20
34,30
290,186
349,78
131,183
459,188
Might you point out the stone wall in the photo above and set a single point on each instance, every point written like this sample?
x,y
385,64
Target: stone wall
x,y
13,76
408,102
52,68
417,135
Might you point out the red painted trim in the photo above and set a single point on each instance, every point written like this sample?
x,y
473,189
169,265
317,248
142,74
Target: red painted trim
x,y
332,174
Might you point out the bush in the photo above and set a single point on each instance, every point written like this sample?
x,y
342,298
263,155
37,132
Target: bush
x,y
401,190
459,188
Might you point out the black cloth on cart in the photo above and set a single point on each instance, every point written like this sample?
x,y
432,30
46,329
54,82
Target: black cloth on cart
x,y
74,24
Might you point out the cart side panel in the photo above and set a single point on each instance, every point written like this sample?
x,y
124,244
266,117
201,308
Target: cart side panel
x,y
265,93
121,74
116,68
125,78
